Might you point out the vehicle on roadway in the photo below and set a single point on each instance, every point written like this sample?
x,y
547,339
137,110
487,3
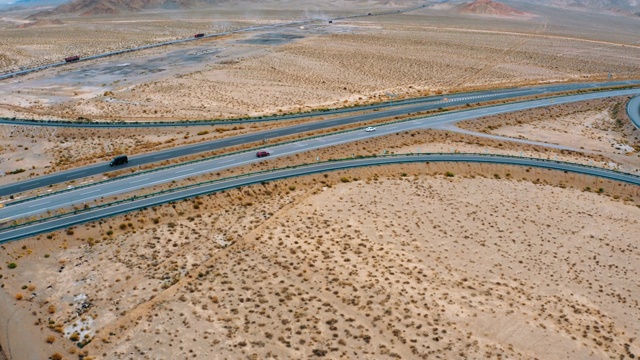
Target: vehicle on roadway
x,y
198,35
262,153
72,58
370,129
119,160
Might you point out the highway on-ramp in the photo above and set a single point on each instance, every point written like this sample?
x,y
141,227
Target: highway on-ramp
x,y
633,110
140,203
87,194
258,137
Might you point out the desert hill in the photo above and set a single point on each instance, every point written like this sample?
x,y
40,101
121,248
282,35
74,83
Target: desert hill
x,y
478,7
41,22
623,7
489,7
111,7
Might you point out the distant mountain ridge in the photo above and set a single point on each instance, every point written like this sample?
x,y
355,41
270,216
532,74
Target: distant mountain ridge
x,y
112,7
489,7
486,7
626,7
40,2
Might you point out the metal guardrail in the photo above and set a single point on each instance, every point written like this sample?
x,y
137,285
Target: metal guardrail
x,y
483,158
273,144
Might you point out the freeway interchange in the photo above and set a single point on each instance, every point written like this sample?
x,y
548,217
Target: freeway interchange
x,y
397,109
39,205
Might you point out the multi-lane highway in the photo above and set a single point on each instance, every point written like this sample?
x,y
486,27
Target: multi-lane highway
x,y
404,109
89,193
123,207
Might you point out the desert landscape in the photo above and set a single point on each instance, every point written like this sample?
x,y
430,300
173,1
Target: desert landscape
x,y
343,63
378,265
416,261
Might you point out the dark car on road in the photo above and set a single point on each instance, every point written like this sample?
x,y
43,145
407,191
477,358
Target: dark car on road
x,y
262,153
119,160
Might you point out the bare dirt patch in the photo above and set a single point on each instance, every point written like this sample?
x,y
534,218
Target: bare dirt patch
x,y
596,127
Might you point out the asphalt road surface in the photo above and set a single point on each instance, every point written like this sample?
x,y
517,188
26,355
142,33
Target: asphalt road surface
x,y
633,110
469,97
134,161
86,194
124,207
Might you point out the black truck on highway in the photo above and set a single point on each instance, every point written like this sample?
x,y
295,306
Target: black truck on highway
x,y
119,160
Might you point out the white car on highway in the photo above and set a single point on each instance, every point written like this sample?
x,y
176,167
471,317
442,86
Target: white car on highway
x,y
370,129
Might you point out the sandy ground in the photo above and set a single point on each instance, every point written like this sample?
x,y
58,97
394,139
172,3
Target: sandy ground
x,y
356,265
595,127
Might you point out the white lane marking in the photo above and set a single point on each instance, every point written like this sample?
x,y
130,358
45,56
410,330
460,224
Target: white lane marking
x,y
40,204
139,180
183,170
89,192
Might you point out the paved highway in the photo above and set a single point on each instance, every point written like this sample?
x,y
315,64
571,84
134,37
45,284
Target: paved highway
x,y
134,161
468,97
633,110
87,194
99,213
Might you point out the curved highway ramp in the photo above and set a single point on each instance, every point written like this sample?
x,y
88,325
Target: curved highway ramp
x,y
136,203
